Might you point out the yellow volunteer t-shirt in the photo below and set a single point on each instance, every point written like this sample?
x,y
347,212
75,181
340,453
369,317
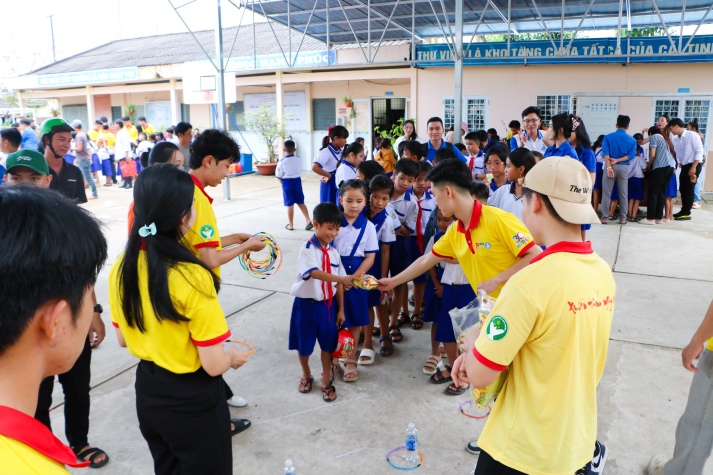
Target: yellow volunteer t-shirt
x,y
93,135
133,133
28,447
148,130
493,242
109,138
551,325
172,346
709,345
204,232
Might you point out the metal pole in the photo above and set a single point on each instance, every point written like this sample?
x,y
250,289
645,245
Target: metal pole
x,y
458,73
413,33
221,85
618,30
329,56
683,22
54,54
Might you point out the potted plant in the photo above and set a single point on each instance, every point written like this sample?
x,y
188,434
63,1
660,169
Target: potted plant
x,y
54,112
130,110
264,123
348,102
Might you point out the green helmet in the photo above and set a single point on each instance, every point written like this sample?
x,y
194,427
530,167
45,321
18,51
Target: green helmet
x,y
55,125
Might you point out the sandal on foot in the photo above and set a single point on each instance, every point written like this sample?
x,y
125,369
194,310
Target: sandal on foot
x,y
395,334
309,227
417,321
329,394
386,350
438,377
402,319
454,390
376,331
305,385
240,426
90,454
354,373
287,226
367,353
432,364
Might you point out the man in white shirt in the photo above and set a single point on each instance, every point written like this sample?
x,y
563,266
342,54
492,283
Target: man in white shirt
x,y
689,152
531,137
122,149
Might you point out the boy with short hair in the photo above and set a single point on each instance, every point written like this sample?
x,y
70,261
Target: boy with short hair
x,y
27,166
288,172
405,173
551,326
318,308
476,157
413,150
43,327
10,139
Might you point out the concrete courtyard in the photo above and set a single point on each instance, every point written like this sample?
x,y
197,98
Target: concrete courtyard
x,y
665,282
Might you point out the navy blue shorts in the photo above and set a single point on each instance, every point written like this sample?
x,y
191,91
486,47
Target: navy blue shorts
x,y
292,191
636,188
598,175
312,322
433,303
454,296
415,254
400,257
374,296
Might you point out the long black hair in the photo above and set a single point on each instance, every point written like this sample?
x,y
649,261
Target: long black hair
x,y
562,121
163,196
581,132
161,153
414,135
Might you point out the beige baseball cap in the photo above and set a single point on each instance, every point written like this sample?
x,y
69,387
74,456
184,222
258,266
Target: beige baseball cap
x,y
568,185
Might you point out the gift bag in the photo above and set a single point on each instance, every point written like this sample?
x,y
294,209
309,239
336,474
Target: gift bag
x,y
128,168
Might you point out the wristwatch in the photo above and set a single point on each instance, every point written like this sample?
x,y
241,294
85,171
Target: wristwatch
x,y
98,309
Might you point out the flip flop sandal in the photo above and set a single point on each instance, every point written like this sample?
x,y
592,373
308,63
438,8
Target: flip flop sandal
x,y
395,334
438,377
305,385
366,353
386,350
417,324
240,426
402,321
309,227
355,372
287,226
90,454
454,390
432,364
328,392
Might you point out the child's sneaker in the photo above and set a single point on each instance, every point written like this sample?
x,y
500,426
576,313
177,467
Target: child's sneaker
x,y
599,459
656,464
473,448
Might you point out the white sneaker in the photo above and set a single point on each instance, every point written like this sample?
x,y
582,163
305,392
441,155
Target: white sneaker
x,y
656,464
237,401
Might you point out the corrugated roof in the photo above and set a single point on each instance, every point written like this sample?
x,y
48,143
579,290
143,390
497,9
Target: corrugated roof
x,y
180,48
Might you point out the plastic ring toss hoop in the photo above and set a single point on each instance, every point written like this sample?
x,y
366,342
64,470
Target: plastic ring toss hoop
x,y
400,467
269,265
251,349
469,409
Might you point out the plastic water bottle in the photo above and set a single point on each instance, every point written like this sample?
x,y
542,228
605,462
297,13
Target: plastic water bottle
x,y
289,467
412,443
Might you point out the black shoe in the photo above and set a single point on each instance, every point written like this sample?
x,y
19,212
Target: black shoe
x,y
596,466
682,217
129,187
240,426
473,448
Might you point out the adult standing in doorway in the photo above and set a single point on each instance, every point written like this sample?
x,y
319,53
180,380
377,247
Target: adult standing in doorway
x,y
29,136
436,141
84,159
67,179
531,136
409,133
689,152
618,148
184,133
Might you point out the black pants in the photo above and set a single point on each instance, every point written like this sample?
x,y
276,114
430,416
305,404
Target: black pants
x,y
185,421
487,465
112,159
656,199
686,188
75,384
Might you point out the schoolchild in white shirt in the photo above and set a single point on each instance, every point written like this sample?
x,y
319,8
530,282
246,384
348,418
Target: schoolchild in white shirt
x,y
288,171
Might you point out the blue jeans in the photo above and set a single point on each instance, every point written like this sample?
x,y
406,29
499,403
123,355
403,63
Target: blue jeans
x,y
85,166
697,192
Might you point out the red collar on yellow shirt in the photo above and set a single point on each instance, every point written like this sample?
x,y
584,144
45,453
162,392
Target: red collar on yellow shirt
x,y
565,246
31,432
200,187
474,220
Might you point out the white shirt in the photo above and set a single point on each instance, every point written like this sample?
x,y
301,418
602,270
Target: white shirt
x,y
428,204
144,146
429,248
349,233
506,201
637,166
689,147
598,155
406,211
309,259
386,231
536,145
453,275
478,165
122,145
327,158
289,166
346,171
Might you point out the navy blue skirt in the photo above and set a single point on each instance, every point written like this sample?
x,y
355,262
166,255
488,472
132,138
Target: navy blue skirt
x,y
599,174
96,163
433,301
374,296
401,255
328,192
106,167
672,188
356,306
454,296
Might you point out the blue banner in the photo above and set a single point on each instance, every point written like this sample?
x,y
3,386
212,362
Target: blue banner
x,y
305,59
587,50
89,77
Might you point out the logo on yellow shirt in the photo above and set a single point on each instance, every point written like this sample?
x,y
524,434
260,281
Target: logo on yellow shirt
x,y
207,231
497,328
521,239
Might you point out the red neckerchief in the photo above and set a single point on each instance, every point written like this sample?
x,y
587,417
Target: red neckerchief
x,y
327,288
419,227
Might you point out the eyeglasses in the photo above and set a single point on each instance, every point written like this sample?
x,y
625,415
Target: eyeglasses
x,y
531,121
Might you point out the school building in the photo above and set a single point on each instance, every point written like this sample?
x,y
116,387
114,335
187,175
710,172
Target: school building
x,y
168,78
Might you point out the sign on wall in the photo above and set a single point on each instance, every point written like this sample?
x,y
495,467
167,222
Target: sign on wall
x,y
158,114
599,114
277,61
294,107
585,50
88,77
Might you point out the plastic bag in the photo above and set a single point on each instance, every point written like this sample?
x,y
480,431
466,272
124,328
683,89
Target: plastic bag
x,y
471,315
